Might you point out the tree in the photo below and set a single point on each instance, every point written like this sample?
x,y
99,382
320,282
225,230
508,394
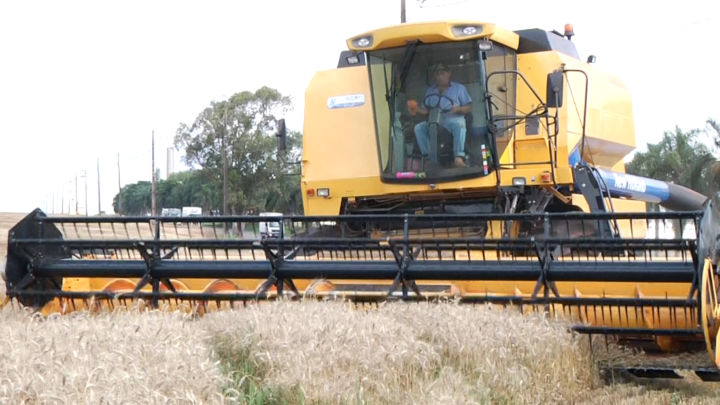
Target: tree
x,y
715,128
245,124
681,159
677,158
137,199
192,188
714,133
259,177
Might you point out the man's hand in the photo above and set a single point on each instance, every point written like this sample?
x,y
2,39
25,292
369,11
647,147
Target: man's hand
x,y
414,108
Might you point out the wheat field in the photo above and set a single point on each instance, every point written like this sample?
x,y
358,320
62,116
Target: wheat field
x,y
311,353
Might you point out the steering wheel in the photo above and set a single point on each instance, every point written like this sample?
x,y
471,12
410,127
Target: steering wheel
x,y
440,97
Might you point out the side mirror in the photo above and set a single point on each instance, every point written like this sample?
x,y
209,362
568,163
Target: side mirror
x,y
281,135
555,82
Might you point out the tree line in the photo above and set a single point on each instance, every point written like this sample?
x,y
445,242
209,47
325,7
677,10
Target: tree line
x,y
261,179
680,157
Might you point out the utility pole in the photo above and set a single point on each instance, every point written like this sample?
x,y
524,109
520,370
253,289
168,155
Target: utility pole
x,y
154,206
98,174
402,12
87,211
70,199
225,186
76,196
84,177
119,188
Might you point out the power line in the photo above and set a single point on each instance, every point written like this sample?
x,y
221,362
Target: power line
x,y
422,4
146,152
696,23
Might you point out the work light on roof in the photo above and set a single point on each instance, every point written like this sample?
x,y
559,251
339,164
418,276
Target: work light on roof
x,y
466,30
363,42
485,45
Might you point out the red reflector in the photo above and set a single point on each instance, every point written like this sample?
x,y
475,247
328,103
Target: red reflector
x,y
545,177
311,192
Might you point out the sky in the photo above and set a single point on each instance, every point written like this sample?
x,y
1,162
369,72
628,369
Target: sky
x,y
88,81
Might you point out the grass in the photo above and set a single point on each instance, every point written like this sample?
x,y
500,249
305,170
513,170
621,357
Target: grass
x,y
312,353
118,358
403,354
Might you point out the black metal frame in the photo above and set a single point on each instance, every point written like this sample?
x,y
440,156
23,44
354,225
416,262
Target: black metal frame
x,y
49,257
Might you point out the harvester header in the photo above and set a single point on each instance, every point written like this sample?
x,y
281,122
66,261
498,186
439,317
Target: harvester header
x,y
658,294
441,160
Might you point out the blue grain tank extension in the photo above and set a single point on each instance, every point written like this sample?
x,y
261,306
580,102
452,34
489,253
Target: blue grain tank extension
x,y
671,196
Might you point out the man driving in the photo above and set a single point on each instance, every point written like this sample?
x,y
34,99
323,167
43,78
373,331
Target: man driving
x,y
453,120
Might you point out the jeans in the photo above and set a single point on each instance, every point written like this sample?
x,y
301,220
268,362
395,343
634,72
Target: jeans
x,y
456,125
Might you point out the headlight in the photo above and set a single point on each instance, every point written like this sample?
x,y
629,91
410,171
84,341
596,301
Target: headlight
x,y
323,192
363,42
466,30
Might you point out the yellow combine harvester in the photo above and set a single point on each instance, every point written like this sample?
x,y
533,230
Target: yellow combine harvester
x,y
448,159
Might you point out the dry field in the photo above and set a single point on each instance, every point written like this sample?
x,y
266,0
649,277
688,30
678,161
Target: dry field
x,y
313,353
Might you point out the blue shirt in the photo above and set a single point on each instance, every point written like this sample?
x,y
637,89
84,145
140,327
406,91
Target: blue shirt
x,y
455,92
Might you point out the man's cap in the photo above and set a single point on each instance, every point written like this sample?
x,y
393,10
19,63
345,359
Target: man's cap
x,y
440,67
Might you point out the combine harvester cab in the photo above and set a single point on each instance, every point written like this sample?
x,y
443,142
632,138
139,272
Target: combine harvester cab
x,y
526,217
